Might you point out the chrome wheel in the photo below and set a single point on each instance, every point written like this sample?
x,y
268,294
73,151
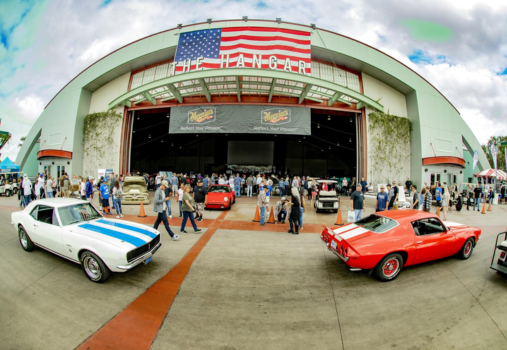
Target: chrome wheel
x,y
391,268
91,267
468,248
23,239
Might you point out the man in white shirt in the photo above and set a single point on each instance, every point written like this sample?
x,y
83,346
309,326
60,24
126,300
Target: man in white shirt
x,y
49,188
221,181
27,189
158,180
82,188
258,181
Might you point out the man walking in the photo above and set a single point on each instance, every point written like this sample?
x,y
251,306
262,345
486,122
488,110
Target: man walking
x,y
357,203
382,199
237,186
27,189
159,208
249,185
262,202
477,197
66,186
200,198
174,182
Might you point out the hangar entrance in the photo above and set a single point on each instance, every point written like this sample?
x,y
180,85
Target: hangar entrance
x,y
330,150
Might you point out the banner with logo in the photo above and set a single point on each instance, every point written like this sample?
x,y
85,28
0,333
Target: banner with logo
x,y
476,159
242,119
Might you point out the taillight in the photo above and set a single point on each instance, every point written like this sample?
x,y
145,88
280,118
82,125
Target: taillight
x,y
502,256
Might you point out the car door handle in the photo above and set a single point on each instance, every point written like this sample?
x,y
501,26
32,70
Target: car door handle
x,y
420,242
35,225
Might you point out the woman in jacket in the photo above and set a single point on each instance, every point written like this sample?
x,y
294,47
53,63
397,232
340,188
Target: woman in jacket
x,y
188,210
295,211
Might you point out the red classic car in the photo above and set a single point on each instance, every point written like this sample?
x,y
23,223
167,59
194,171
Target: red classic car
x,y
220,197
387,241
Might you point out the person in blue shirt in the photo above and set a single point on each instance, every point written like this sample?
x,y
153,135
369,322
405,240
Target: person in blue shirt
x,y
382,199
89,190
104,196
364,185
281,186
205,182
438,197
286,185
237,186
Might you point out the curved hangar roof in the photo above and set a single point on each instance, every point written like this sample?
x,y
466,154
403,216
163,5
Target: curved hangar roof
x,y
426,106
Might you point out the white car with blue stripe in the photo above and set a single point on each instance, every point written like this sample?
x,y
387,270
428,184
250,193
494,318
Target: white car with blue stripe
x,y
73,229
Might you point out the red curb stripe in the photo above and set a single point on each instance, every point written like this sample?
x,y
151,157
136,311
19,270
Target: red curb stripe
x,y
136,326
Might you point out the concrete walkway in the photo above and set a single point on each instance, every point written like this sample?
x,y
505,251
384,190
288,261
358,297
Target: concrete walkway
x,y
254,289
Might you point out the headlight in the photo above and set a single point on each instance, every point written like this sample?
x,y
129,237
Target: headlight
x,y
226,199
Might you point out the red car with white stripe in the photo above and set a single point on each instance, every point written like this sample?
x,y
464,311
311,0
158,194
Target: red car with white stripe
x,y
387,241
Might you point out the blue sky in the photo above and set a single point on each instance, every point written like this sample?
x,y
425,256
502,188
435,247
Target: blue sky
x,y
460,47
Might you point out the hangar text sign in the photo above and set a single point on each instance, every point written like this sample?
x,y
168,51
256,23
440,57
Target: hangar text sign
x,y
240,119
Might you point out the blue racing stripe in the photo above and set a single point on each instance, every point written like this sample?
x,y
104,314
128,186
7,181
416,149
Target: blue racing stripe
x,y
128,227
121,236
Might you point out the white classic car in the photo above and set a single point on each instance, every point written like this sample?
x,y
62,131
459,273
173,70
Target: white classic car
x,y
73,229
326,198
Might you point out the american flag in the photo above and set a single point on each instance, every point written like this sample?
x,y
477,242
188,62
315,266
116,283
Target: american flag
x,y
257,43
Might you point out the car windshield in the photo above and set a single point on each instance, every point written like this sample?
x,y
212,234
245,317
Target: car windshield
x,y
377,224
327,186
77,213
220,189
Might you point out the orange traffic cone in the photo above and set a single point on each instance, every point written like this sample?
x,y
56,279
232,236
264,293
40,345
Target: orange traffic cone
x,y
257,217
339,220
483,208
142,214
489,206
271,219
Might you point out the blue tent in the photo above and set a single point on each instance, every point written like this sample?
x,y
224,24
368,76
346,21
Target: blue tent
x,y
7,166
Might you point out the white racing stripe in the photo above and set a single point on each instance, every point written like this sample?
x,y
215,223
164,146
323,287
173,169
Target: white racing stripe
x,y
345,228
355,232
452,223
127,232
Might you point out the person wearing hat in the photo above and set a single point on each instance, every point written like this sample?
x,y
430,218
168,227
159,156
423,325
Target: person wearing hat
x,y
281,210
104,197
200,198
160,208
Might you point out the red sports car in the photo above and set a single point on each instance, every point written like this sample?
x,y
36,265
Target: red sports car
x,y
387,241
220,197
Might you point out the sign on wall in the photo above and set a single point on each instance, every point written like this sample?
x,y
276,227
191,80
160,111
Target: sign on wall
x,y
247,119
243,47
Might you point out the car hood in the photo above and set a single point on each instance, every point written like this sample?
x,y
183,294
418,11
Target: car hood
x,y
218,195
454,225
134,187
122,234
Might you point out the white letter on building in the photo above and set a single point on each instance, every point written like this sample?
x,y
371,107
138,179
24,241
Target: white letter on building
x,y
272,62
186,65
288,66
256,61
172,68
302,67
222,61
241,62
198,63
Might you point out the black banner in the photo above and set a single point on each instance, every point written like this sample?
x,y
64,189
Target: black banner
x,y
243,119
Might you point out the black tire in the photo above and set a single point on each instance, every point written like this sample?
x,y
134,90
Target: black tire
x,y
389,267
229,207
234,202
8,193
24,240
335,211
467,249
15,190
318,210
93,267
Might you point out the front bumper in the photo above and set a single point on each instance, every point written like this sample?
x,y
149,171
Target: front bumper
x,y
217,205
139,259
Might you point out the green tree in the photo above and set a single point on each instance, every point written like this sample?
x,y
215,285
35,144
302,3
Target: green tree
x,y
497,140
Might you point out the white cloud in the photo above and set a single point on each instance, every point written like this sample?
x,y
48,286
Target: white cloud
x,y
482,126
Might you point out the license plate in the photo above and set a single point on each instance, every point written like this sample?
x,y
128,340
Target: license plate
x,y
222,207
147,260
333,244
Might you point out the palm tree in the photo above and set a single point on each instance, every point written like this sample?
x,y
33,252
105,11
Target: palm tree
x,y
22,139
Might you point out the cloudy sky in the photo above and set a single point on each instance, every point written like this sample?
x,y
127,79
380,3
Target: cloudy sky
x,y
459,46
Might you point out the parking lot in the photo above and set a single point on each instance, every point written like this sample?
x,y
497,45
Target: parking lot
x,y
253,288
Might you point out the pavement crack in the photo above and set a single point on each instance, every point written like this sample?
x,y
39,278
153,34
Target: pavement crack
x,y
478,302
37,280
334,297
